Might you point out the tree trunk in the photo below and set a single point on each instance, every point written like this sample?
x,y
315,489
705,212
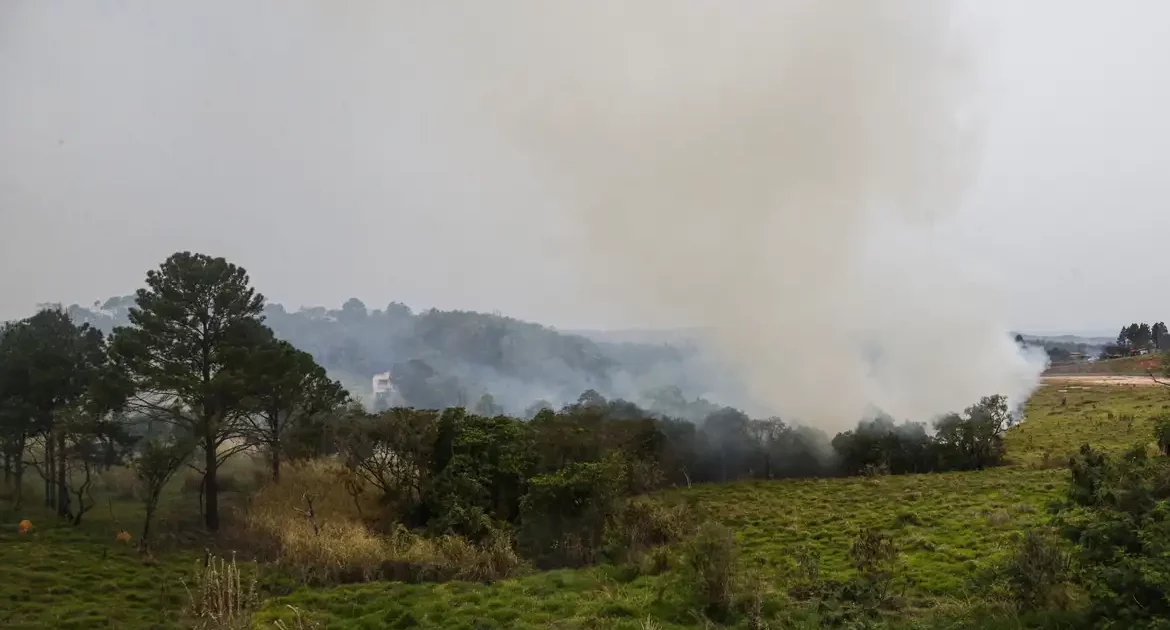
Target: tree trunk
x,y
18,474
275,465
209,481
62,486
7,465
50,473
144,539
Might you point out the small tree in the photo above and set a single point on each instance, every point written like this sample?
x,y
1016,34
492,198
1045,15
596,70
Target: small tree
x,y
287,389
154,468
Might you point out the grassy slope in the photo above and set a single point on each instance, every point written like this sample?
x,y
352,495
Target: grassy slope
x,y
949,526
1136,366
1062,417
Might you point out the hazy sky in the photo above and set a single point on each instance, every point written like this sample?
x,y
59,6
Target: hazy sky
x,y
326,147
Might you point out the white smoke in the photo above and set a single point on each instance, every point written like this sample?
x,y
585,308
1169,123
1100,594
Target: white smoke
x,y
769,171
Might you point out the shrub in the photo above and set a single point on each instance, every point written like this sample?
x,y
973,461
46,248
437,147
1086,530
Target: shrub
x,y
1038,572
710,568
564,515
1162,433
641,525
337,546
874,556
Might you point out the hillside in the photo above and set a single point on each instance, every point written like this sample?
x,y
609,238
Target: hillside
x,y
439,358
950,529
1129,366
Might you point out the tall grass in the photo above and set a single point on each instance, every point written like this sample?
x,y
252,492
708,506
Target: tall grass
x,y
221,597
332,543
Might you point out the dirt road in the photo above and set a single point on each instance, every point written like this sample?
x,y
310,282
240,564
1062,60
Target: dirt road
x,y
1097,379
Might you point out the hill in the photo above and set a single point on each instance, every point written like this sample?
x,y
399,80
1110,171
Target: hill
x,y
1124,366
439,358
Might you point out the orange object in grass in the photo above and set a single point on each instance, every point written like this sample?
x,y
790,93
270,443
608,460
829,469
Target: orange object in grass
x,y
24,526
123,537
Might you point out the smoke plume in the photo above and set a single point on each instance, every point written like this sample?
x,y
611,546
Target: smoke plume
x,y
770,172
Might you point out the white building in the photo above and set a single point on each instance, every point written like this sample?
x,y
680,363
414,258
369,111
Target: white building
x,y
381,383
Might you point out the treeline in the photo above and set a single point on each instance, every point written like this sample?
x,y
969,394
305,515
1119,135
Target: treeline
x,y
195,377
1139,336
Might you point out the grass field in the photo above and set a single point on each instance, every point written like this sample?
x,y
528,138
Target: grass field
x,y
59,576
948,527
1062,417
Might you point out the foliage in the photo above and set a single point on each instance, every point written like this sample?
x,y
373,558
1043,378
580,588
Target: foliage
x,y
191,332
1039,572
710,569
1162,432
153,468
287,393
563,515
971,441
1120,527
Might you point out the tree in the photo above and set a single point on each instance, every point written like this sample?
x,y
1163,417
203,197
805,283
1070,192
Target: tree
x,y
1158,334
154,467
1144,336
393,452
49,370
976,440
90,442
287,389
186,350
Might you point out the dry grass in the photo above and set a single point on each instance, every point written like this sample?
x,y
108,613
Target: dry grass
x,y
330,541
221,597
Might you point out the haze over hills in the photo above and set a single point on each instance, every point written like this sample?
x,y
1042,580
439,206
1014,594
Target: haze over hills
x,y
444,358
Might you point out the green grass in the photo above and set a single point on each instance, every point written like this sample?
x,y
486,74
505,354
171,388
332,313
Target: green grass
x,y
586,598
949,527
61,577
1062,417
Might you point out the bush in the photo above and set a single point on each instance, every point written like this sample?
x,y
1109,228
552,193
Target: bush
x,y
1038,573
336,546
1162,433
874,556
563,517
710,569
641,525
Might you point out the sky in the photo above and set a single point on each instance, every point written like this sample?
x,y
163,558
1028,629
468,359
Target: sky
x,y
332,150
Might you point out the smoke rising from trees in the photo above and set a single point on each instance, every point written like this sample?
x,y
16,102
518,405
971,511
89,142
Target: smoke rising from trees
x,y
771,173
768,172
